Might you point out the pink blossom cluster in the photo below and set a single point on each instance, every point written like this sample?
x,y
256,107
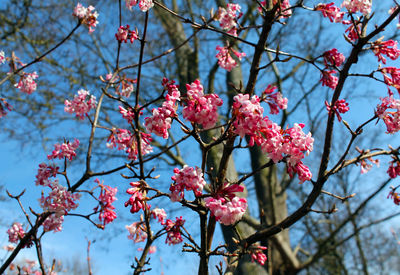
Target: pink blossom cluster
x,y
353,6
225,60
26,83
228,18
127,114
284,10
124,34
388,48
365,167
390,118
161,118
53,223
329,79
302,171
15,233
333,58
200,108
225,206
276,142
137,201
144,5
274,99
189,179
81,105
44,173
123,139
173,229
106,198
87,16
4,106
59,200
65,150
331,11
126,87
394,196
353,31
391,76
159,215
258,255
2,57
394,169
340,107
137,231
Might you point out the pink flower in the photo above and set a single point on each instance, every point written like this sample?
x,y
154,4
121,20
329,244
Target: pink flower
x,y
138,198
395,196
137,231
225,60
258,255
390,118
53,223
394,78
333,58
123,139
59,200
27,83
200,108
159,214
383,48
226,211
81,104
284,10
15,233
274,99
303,172
228,17
173,229
4,108
2,57
44,173
353,32
332,12
124,34
65,150
130,3
394,171
340,107
106,198
353,6
87,16
144,5
189,179
328,79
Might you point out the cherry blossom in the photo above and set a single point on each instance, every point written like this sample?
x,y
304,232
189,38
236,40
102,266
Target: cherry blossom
x,y
353,31
15,233
333,58
44,173
59,200
226,211
106,198
302,171
200,108
130,3
53,223
328,79
2,57
159,214
258,255
127,114
340,107
173,229
123,139
27,83
189,179
388,48
395,196
331,11
65,150
4,106
394,171
138,196
228,18
284,10
353,6
87,16
390,118
144,5
81,105
124,34
225,60
391,77
161,118
274,99
137,231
